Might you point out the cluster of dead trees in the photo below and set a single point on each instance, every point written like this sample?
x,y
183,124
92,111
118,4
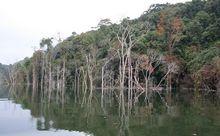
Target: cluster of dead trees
x,y
123,75
135,72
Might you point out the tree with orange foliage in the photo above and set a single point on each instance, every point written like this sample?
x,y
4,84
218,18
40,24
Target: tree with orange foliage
x,y
172,29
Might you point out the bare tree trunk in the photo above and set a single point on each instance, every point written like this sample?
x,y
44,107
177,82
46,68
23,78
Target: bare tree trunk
x,y
63,78
103,77
169,81
33,81
102,97
50,78
78,84
90,80
42,75
45,76
75,84
27,77
84,84
130,81
57,83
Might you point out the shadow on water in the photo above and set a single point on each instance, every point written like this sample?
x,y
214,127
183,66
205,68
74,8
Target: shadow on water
x,y
184,113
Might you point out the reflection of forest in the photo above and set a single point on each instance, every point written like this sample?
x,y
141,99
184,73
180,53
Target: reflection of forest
x,y
187,114
4,92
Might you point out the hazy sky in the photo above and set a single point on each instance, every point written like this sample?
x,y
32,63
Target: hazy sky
x,y
24,22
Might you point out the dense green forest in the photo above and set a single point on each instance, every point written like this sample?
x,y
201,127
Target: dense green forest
x,y
169,46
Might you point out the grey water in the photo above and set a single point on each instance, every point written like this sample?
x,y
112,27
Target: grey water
x,y
188,114
16,120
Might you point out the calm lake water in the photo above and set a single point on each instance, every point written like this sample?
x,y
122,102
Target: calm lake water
x,y
188,115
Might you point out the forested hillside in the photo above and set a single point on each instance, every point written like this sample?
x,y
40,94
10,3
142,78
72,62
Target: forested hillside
x,y
168,46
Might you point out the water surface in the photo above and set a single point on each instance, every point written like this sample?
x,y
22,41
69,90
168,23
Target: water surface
x,y
187,115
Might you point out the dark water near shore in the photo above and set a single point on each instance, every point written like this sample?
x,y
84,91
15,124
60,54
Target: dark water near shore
x,y
189,114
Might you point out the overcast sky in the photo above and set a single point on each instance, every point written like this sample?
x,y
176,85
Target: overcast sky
x,y
24,22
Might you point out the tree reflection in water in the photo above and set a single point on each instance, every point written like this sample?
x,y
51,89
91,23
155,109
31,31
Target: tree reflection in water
x,y
184,114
